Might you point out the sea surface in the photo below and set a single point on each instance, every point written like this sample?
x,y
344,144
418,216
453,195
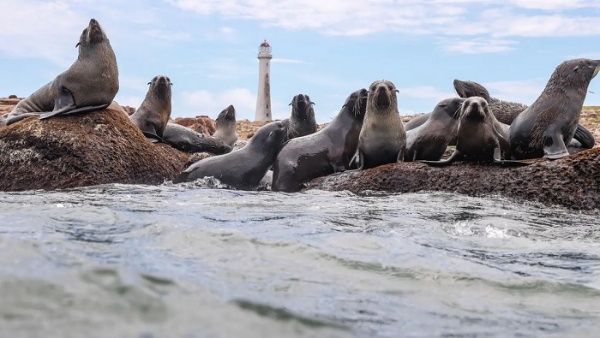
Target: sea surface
x,y
192,260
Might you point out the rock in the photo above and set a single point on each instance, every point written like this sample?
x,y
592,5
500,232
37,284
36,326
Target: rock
x,y
81,150
129,110
200,124
573,182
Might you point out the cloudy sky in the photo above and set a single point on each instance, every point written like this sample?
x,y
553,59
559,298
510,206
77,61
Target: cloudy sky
x,y
325,49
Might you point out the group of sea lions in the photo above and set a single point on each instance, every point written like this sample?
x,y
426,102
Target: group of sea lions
x,y
367,132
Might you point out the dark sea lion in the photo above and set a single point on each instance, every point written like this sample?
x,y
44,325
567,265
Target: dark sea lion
x,y
324,152
430,140
547,126
90,84
155,111
480,136
382,138
302,122
506,111
226,126
190,141
244,168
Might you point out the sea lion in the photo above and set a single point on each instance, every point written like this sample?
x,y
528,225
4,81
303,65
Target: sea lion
x,y
324,152
244,168
226,126
480,136
506,111
302,122
90,84
187,140
155,111
547,126
430,140
382,138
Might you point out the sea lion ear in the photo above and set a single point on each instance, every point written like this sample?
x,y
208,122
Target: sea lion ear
x,y
396,90
149,82
290,103
312,103
77,45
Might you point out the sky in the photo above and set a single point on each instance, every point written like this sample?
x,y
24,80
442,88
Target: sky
x,y
326,49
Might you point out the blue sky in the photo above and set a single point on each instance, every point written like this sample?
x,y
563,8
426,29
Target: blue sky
x,y
325,49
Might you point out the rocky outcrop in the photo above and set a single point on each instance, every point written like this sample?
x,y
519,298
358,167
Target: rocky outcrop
x,y
82,150
200,124
573,182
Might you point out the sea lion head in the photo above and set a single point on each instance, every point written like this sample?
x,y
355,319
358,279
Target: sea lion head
x,y
270,136
357,103
448,107
466,89
576,73
475,109
302,107
91,35
160,86
226,117
382,96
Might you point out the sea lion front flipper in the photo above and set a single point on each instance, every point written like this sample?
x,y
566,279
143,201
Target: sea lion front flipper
x,y
507,163
357,160
456,155
152,137
554,146
73,110
584,137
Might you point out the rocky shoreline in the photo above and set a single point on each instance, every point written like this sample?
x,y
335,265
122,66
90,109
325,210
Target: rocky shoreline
x,y
105,147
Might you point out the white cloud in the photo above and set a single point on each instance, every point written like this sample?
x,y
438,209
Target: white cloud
x,y
478,45
167,35
33,30
204,102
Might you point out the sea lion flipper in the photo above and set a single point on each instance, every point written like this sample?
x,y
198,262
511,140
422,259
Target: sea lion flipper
x,y
456,155
584,137
554,146
357,160
152,137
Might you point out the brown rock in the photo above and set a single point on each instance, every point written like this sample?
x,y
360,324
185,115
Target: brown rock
x,y
81,150
573,182
200,124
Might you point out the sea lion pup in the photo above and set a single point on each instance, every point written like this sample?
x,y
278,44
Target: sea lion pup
x,y
302,122
382,138
506,112
481,137
324,152
155,111
90,84
430,140
189,141
547,126
244,168
226,127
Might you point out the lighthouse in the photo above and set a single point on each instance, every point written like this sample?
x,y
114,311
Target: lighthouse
x,y
263,101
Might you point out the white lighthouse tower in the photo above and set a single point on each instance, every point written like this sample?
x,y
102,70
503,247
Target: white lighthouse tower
x,y
263,101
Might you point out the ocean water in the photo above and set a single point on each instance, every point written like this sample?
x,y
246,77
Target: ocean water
x,y
192,261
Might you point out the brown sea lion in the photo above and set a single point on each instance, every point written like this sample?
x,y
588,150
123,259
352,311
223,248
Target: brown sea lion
x,y
226,126
324,152
302,121
382,138
430,140
244,168
90,84
547,126
480,136
155,111
190,141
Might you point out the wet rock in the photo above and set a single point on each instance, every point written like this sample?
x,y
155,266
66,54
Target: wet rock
x,y
573,182
80,150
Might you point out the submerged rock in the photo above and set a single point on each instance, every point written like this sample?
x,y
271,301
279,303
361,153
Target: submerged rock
x,y
80,150
573,182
